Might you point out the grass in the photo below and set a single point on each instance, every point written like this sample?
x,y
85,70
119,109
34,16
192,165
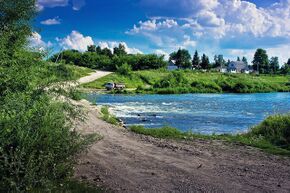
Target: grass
x,y
106,116
165,82
272,135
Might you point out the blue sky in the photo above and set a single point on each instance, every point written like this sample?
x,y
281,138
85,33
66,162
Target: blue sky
x,y
229,27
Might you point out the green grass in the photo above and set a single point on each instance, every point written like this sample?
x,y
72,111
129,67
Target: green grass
x,y
165,82
272,135
106,116
79,72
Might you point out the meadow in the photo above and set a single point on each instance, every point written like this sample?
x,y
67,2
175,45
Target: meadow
x,y
187,81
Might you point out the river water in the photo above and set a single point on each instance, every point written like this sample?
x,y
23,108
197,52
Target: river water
x,y
199,113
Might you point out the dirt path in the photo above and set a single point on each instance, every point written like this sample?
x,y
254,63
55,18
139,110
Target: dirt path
x,y
126,162
93,76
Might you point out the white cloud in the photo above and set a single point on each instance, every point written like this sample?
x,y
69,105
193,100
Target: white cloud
x,y
36,42
162,53
112,44
54,21
76,41
76,4
217,25
41,4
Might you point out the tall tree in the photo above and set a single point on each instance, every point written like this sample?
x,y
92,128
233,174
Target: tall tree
x,y
182,58
288,62
15,24
92,48
244,59
120,51
205,62
274,65
196,61
238,59
219,61
261,61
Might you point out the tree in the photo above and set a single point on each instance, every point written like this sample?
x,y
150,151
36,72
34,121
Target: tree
x,y
92,48
261,61
107,52
244,59
205,62
196,61
238,59
121,50
274,65
15,24
288,62
182,58
219,61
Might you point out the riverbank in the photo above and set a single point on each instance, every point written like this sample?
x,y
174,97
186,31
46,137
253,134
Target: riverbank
x,y
186,81
127,162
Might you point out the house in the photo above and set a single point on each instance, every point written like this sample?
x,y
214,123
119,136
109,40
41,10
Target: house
x,y
222,69
171,65
238,67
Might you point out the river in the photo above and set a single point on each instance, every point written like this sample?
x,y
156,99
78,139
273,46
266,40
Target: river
x,y
199,113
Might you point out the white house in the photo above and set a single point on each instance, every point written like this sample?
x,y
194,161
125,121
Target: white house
x,y
171,65
238,67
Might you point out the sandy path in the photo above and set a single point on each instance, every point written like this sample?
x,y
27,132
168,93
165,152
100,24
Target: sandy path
x,y
93,76
126,162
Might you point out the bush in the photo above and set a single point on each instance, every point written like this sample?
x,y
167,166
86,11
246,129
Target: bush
x,y
125,70
275,129
37,145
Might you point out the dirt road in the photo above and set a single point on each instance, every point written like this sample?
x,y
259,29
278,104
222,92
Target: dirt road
x,y
126,162
93,76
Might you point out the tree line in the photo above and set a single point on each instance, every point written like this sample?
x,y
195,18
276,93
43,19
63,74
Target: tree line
x,y
97,58
261,62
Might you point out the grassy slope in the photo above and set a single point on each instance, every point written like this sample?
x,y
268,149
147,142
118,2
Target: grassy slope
x,y
206,82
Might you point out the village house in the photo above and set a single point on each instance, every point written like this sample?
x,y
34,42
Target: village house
x,y
238,67
172,65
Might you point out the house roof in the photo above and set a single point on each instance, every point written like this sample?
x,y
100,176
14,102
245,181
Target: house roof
x,y
237,65
172,63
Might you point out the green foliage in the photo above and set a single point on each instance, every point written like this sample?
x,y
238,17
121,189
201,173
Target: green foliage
x,y
261,61
196,61
37,144
182,81
272,135
275,129
15,20
103,59
182,58
106,116
125,70
205,62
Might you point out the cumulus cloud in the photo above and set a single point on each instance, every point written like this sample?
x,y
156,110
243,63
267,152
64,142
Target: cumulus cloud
x,y
36,42
54,21
162,53
76,41
221,24
112,44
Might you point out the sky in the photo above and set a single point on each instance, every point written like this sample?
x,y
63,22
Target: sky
x,y
228,27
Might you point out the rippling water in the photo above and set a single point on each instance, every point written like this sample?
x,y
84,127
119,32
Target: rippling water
x,y
200,113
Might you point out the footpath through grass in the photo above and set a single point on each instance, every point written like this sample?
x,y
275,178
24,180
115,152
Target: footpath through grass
x,y
272,135
187,81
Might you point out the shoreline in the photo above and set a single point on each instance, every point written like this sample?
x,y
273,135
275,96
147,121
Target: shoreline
x,y
127,162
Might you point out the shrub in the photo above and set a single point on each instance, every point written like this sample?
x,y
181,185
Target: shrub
x,y
124,69
275,129
37,145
